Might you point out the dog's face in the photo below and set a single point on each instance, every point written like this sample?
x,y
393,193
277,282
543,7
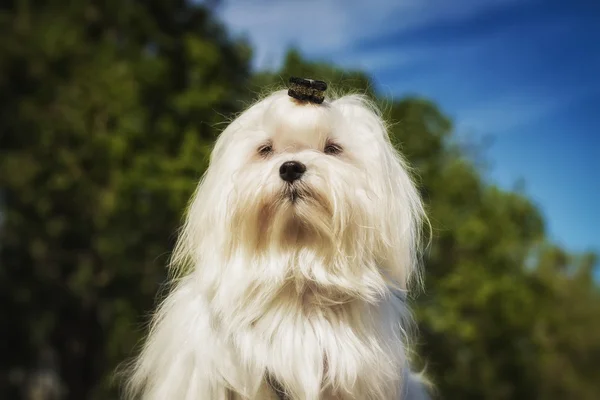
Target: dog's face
x,y
289,176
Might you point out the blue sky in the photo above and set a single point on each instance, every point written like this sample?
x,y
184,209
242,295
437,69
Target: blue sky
x,y
524,72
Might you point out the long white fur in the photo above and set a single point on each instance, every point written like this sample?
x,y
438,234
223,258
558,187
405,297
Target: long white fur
x,y
310,291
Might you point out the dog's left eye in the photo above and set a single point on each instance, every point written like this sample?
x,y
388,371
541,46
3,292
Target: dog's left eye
x,y
265,150
332,148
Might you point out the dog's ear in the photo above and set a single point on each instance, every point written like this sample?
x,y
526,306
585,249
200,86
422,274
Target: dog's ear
x,y
404,218
398,202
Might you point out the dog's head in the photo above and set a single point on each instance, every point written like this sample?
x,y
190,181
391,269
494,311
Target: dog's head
x,y
319,181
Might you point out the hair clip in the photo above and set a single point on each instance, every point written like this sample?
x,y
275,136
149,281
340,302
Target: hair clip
x,y
307,90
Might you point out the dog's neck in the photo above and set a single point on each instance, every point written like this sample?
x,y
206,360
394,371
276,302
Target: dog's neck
x,y
318,270
296,306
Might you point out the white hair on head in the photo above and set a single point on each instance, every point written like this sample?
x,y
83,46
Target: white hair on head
x,y
301,280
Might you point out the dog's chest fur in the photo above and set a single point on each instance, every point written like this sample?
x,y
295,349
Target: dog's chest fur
x,y
317,349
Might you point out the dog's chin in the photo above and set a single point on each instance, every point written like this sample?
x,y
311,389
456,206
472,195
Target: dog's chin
x,y
294,216
298,208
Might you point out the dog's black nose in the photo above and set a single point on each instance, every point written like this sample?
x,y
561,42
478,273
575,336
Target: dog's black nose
x,y
291,170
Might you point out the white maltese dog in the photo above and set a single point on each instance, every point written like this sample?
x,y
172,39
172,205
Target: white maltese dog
x,y
292,266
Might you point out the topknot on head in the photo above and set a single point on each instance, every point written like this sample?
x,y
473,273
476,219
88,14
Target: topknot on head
x,y
307,90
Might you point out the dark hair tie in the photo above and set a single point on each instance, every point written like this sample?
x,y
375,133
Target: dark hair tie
x,y
303,89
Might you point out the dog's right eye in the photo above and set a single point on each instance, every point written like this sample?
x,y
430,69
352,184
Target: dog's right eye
x,y
265,150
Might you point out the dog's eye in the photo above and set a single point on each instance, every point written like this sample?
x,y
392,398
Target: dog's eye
x,y
332,148
265,150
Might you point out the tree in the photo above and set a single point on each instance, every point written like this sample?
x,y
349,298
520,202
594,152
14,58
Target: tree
x,y
108,113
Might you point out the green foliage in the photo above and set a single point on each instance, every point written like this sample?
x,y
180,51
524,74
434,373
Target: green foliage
x,y
107,115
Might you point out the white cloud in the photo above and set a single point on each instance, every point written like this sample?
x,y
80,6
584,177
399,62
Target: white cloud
x,y
514,110
504,113
323,27
330,28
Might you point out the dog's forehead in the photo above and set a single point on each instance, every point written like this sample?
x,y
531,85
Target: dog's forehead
x,y
291,123
297,137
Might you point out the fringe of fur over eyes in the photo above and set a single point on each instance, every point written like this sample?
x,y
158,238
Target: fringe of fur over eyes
x,y
302,280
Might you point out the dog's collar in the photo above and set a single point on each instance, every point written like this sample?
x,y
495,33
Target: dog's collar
x,y
277,387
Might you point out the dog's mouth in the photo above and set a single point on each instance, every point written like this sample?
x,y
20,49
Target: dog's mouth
x,y
293,193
